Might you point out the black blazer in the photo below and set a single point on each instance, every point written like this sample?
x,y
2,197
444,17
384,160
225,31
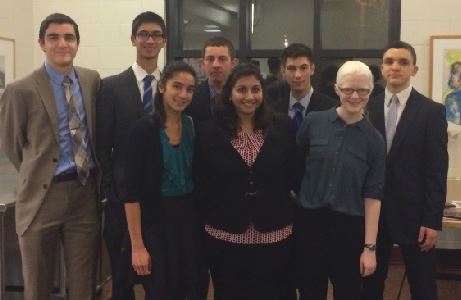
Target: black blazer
x,y
231,194
118,106
416,167
201,105
318,101
143,171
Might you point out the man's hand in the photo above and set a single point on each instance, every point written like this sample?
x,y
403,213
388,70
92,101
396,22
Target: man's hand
x,y
367,262
427,238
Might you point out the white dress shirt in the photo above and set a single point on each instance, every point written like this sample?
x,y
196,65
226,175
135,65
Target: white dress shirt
x,y
140,73
403,98
304,101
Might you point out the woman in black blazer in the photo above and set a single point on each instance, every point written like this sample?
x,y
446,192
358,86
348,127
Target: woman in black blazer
x,y
163,248
245,158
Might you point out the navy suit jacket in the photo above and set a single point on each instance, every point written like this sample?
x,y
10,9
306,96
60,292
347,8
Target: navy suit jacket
x,y
118,107
201,105
416,167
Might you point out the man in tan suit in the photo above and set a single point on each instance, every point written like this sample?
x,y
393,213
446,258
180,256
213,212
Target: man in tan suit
x,y
47,128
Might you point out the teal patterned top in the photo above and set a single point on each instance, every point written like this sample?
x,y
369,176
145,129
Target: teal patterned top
x,y
177,161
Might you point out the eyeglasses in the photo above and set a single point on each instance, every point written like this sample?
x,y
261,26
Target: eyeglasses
x,y
144,35
350,91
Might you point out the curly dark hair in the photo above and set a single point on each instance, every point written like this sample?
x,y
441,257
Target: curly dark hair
x,y
225,116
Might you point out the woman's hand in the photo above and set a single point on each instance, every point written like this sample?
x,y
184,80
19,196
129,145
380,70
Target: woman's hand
x,y
141,261
367,262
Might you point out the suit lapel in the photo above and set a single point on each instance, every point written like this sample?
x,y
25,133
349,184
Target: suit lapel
x,y
313,103
133,89
408,115
46,94
377,115
268,145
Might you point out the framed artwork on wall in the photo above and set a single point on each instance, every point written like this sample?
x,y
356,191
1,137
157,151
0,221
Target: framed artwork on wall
x,y
445,67
7,63
445,87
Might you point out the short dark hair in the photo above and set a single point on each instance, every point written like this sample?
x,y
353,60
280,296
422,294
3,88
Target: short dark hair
x,y
57,18
225,116
296,50
402,45
147,17
219,41
169,71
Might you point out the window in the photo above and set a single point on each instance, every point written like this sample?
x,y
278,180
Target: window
x,y
336,30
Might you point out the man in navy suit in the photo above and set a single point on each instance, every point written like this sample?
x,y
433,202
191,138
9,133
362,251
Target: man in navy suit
x,y
296,97
218,59
415,129
123,99
297,93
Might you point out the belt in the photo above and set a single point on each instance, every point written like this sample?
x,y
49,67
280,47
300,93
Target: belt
x,y
68,176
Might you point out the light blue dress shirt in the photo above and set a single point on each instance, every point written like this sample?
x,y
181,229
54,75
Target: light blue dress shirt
x,y
66,161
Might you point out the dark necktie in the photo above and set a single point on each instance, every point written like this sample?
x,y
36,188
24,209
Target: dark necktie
x,y
299,115
147,96
79,145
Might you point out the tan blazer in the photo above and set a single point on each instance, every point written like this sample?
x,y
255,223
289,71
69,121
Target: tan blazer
x,y
29,135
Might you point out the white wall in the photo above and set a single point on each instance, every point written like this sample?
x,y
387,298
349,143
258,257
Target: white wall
x,y
15,24
420,20
105,29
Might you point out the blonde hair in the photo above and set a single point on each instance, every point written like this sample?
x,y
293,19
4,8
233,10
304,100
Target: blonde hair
x,y
354,67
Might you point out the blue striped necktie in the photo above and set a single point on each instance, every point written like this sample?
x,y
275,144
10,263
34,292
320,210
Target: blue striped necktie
x,y
299,115
147,95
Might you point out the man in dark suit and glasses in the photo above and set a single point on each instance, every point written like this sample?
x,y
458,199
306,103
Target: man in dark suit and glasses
x,y
218,58
123,99
296,96
415,130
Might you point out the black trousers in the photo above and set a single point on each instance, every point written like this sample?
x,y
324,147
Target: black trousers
x,y
420,270
249,272
114,232
328,245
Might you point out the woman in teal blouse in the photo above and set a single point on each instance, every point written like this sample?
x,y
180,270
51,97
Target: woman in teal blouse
x,y
161,217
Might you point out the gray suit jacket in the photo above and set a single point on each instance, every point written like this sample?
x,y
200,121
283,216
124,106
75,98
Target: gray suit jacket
x,y
29,135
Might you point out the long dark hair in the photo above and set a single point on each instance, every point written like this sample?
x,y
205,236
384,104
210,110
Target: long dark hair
x,y
170,70
225,116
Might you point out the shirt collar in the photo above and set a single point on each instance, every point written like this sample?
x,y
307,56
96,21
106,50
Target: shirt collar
x,y
140,73
304,100
333,117
57,77
403,96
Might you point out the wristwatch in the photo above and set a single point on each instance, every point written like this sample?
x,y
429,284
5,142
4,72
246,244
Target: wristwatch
x,y
370,247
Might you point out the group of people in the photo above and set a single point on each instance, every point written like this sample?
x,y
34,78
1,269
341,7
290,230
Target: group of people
x,y
271,191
